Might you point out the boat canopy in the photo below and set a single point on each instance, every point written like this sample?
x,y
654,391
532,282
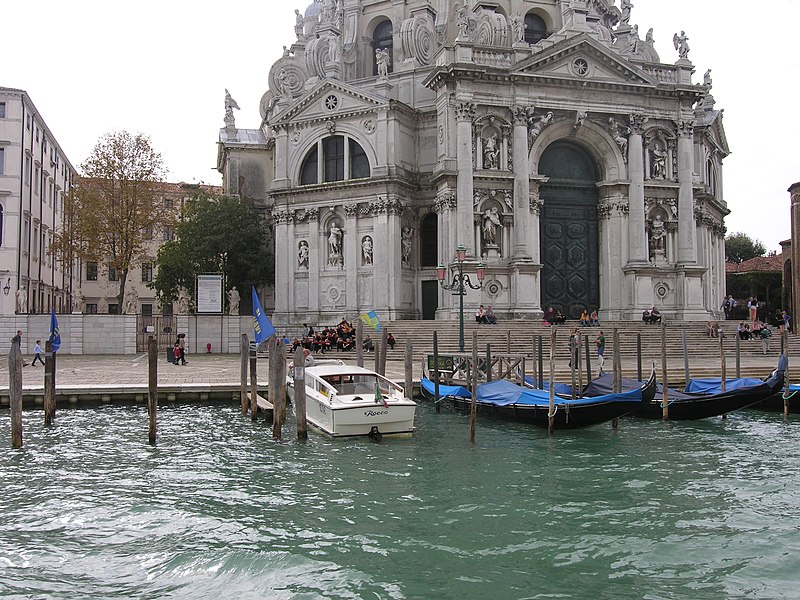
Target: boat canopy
x,y
459,391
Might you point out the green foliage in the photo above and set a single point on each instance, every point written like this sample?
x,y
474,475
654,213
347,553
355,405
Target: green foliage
x,y
740,247
215,234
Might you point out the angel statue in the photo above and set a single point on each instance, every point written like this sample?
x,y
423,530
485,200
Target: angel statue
x,y
230,104
681,43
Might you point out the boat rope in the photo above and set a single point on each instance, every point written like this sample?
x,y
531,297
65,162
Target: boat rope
x,y
555,410
790,396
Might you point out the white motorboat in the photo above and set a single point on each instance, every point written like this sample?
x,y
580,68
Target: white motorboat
x,y
346,400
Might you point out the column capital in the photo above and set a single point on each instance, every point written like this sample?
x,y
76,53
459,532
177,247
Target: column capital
x,y
465,111
521,114
637,122
686,128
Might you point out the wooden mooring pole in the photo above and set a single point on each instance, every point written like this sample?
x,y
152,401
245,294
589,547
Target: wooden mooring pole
x,y
15,362
738,356
685,358
540,381
299,375
408,368
786,394
489,363
664,378
254,385
377,365
552,412
244,350
723,364
473,407
282,383
436,371
588,360
360,343
617,379
152,386
638,356
274,389
49,383
508,341
384,351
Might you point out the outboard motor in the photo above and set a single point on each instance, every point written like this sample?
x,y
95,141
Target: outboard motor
x,y
374,434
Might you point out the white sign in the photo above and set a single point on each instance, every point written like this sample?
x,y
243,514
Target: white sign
x,y
209,293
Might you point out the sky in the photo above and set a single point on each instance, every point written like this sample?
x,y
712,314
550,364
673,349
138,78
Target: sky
x,y
161,68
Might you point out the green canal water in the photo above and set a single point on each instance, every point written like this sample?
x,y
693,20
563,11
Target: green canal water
x,y
648,511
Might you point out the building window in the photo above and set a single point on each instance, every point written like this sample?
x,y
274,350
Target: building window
x,y
535,28
147,232
112,274
2,110
113,309
341,157
429,241
169,234
2,161
91,309
382,40
35,242
28,127
166,310
167,202
147,310
27,170
36,180
91,271
147,272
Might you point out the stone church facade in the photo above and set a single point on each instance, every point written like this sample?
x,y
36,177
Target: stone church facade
x,y
547,138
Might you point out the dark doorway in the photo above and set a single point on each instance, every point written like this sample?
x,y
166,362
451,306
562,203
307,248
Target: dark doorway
x,y
568,230
430,299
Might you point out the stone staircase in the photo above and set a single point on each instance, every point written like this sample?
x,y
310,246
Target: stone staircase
x,y
519,337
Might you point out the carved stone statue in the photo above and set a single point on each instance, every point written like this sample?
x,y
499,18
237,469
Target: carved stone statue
x,y
230,104
233,301
658,234
328,14
518,27
539,125
681,43
302,255
618,133
183,302
284,85
335,245
580,117
491,221
382,60
366,250
462,22
298,23
131,304
707,78
625,8
491,152
334,52
22,300
406,243
649,37
658,161
633,40
78,302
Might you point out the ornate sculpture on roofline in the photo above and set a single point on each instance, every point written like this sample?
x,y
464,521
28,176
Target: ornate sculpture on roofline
x,y
681,43
625,8
707,78
230,104
518,27
298,23
382,59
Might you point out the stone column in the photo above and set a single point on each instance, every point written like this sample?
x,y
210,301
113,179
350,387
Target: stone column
x,y
637,238
465,112
522,185
282,306
315,264
686,243
351,249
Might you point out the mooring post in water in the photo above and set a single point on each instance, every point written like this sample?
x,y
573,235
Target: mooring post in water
x,y
244,350
384,350
617,368
685,358
473,407
15,393
436,371
508,341
578,346
299,375
665,379
588,361
282,383
541,363
254,384
738,356
638,356
152,386
488,362
552,413
522,371
408,368
786,394
360,343
572,354
49,383
724,366
274,390
377,366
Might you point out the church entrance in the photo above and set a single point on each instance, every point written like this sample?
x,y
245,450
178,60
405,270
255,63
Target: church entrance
x,y
568,230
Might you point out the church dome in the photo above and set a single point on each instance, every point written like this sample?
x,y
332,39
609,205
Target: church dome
x,y
314,9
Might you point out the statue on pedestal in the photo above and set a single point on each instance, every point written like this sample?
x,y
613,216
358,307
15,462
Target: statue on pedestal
x,y
22,300
233,301
230,104
681,43
491,221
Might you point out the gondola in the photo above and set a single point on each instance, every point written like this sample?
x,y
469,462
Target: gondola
x,y
701,398
428,390
505,400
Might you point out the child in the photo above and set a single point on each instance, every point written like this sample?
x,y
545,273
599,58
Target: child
x,y
38,353
176,353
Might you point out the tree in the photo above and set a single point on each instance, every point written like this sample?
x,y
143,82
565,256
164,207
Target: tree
x,y
740,247
116,206
215,234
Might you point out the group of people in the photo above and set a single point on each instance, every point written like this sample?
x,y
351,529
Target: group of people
x,y
575,349
179,350
485,315
340,338
554,317
651,316
589,319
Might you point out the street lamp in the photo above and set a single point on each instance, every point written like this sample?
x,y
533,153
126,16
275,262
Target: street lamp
x,y
459,286
7,287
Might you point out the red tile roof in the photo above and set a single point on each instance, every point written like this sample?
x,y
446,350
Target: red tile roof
x,y
759,264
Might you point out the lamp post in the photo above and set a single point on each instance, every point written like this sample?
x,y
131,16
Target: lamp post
x,y
459,286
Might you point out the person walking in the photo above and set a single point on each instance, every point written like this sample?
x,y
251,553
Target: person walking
x,y
765,334
182,348
38,353
600,342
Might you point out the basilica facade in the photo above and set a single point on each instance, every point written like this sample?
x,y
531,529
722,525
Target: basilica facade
x,y
547,138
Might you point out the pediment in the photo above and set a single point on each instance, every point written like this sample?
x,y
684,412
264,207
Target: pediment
x,y
582,59
329,99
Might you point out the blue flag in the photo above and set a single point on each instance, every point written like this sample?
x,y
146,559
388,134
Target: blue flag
x,y
262,327
55,332
371,319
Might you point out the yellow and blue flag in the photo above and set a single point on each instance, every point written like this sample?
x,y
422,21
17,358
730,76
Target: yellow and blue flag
x,y
262,326
55,332
371,319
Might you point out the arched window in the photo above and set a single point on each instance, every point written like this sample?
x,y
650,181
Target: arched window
x,y
429,241
535,28
382,40
335,158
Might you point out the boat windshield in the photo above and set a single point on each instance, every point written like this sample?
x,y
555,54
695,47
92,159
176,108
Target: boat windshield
x,y
361,384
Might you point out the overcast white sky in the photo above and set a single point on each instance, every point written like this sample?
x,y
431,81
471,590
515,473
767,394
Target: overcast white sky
x,y
162,67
